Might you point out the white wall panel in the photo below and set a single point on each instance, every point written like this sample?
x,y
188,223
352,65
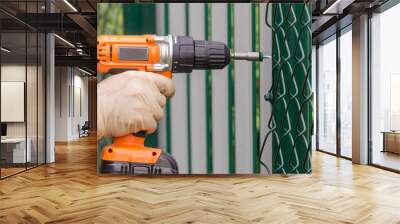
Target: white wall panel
x,y
243,91
198,103
265,84
220,95
12,101
71,102
62,81
179,141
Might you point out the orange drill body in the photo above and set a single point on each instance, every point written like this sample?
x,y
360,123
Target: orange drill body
x,y
129,52
130,148
121,53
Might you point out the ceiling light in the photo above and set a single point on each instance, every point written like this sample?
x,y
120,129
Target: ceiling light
x,y
70,5
5,50
332,8
65,41
86,72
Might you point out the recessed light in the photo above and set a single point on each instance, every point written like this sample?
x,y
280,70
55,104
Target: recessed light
x,y
5,50
64,40
86,72
70,5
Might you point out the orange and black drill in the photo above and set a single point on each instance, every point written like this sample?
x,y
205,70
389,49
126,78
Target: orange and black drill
x,y
159,54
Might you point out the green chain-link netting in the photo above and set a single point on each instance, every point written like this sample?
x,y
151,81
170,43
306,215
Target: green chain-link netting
x,y
290,95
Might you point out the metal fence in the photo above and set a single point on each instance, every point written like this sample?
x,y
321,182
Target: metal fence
x,y
249,117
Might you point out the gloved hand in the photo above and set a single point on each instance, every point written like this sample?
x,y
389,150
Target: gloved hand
x,y
130,102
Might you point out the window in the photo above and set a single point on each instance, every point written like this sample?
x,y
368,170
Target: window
x,y
385,89
327,96
346,93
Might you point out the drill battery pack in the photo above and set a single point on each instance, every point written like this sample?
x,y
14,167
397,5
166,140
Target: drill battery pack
x,y
128,155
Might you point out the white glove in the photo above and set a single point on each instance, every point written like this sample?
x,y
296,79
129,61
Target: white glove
x,y
130,102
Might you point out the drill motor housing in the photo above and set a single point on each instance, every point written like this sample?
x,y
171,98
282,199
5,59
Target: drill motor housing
x,y
160,54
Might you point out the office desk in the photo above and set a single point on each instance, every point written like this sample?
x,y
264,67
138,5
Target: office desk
x,y
13,150
391,141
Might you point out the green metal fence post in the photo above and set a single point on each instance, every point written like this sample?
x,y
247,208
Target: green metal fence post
x,y
291,88
133,18
255,21
188,96
208,89
231,92
168,104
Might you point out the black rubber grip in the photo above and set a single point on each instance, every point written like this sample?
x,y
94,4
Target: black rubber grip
x,y
183,54
210,55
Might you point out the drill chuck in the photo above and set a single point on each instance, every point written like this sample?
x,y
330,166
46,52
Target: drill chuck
x,y
189,54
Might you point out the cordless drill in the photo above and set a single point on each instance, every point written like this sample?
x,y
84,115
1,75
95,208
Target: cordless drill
x,y
163,55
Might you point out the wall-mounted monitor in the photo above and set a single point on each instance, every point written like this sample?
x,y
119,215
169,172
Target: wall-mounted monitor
x,y
12,101
3,129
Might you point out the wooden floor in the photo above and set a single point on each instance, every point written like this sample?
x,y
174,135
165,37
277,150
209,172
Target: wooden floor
x,y
70,191
10,171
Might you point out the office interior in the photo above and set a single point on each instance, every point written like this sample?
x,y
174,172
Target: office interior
x,y
48,83
48,79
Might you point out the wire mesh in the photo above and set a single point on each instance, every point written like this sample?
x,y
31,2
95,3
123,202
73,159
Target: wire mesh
x,y
290,95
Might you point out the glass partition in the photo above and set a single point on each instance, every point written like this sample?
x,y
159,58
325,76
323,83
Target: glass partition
x,y
14,153
22,89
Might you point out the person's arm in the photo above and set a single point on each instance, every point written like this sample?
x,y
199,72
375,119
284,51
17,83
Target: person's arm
x,y
130,102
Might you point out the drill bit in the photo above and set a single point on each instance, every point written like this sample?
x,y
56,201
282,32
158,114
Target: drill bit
x,y
249,56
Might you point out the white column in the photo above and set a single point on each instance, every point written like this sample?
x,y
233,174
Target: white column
x,y
360,90
50,99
